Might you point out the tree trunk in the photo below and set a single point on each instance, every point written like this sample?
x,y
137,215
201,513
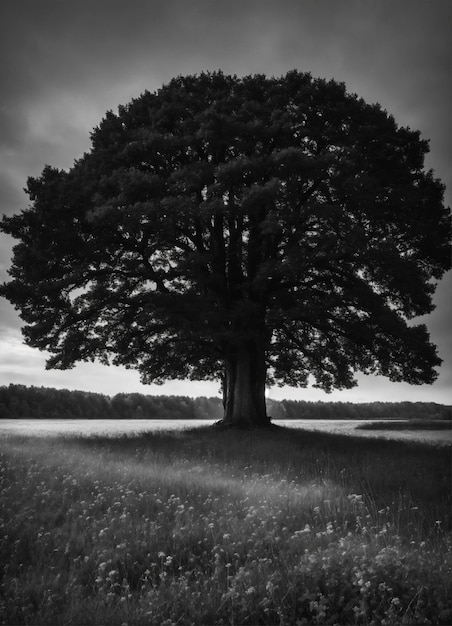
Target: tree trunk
x,y
244,388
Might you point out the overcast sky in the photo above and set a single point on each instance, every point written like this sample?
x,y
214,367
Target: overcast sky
x,y
66,62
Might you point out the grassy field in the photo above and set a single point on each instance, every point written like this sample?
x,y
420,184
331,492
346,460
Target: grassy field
x,y
202,527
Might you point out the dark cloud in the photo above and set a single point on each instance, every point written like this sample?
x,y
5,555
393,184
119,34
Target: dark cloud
x,y
66,63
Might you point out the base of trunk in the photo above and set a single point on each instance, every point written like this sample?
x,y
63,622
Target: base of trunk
x,y
244,388
244,425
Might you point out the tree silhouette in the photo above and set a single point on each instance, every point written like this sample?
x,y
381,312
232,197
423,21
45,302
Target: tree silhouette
x,y
253,230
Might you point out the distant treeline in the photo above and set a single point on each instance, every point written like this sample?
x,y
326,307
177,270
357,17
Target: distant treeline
x,y
301,409
19,401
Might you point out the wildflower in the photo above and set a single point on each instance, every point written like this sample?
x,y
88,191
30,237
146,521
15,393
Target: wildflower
x,y
395,601
161,555
365,586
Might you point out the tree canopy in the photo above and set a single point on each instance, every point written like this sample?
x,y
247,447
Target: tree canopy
x,y
254,230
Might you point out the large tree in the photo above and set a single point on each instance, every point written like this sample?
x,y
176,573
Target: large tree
x,y
253,230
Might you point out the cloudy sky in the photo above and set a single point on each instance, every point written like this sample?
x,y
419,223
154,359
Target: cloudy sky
x,y
66,62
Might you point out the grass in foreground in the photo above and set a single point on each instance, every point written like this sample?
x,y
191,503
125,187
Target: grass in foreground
x,y
200,527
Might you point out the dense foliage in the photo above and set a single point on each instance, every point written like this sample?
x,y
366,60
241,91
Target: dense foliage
x,y
19,401
252,230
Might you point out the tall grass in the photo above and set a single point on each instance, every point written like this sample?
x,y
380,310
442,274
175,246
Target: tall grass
x,y
200,527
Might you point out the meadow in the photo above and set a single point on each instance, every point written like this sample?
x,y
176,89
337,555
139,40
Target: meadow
x,y
284,527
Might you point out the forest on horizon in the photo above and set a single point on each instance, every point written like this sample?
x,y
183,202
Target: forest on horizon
x,y
21,401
